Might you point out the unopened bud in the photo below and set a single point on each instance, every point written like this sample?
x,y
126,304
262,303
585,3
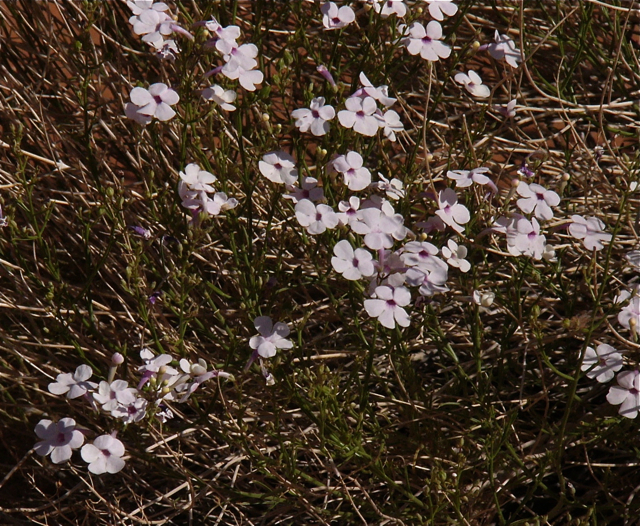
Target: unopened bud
x,y
429,157
475,45
117,359
265,117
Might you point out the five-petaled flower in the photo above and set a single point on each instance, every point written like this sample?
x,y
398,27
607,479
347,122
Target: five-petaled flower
x,y
271,338
388,306
58,438
104,455
426,42
450,211
334,17
154,102
352,264
75,384
590,230
350,166
602,362
314,118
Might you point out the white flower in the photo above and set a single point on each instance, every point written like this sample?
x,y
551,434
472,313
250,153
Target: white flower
x,y
590,230
75,384
271,338
235,56
455,255
152,23
626,394
352,264
131,112
427,42
602,362
359,115
527,240
381,93
166,49
198,180
629,316
451,212
229,33
315,117
537,199
248,78
156,366
217,204
104,455
483,299
58,438
156,101
221,97
504,48
473,84
315,218
439,8
110,395
355,175
348,210
388,306
336,18
138,6
465,178
279,167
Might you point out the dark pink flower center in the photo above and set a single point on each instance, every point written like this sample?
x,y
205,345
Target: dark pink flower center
x,y
315,114
277,166
540,196
157,99
391,303
633,391
426,40
60,439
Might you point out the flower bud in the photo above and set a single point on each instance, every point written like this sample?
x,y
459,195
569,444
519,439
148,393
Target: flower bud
x,y
117,359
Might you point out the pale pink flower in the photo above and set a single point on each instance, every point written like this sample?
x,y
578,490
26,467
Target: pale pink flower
x,y
336,18
394,189
279,167
377,228
465,178
315,218
197,179
439,8
359,115
350,166
626,394
388,306
427,42
629,316
156,101
217,204
58,438
473,84
421,254
248,79
590,230
431,281
138,6
310,190
527,239
537,199
111,395
348,210
104,455
235,56
133,412
352,264
315,117
326,75
381,93
504,48
455,254
451,212
390,7
602,362
271,338
507,111
391,123
75,385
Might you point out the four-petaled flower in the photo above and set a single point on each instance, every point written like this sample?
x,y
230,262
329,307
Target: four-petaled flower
x,y
451,212
271,338
355,175
315,218
279,167
360,115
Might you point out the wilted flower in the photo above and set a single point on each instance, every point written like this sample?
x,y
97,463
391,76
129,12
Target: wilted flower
x,y
473,84
58,438
504,48
590,230
507,111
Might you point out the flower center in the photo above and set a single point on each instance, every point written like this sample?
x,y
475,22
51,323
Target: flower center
x,y
426,40
157,99
318,216
335,20
277,166
315,114
633,391
540,197
391,303
60,439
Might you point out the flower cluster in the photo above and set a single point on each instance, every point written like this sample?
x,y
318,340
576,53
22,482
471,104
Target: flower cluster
x,y
130,405
194,189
